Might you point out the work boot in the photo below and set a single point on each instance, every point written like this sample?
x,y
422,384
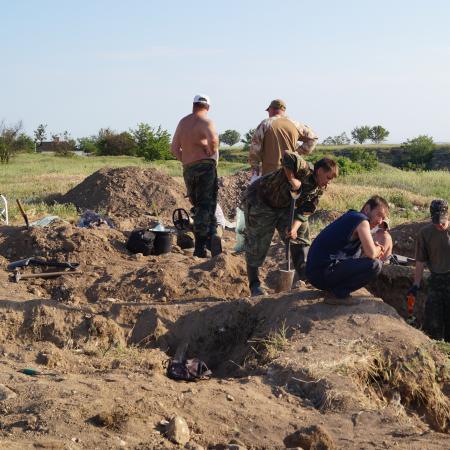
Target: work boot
x,y
253,281
200,246
215,245
299,255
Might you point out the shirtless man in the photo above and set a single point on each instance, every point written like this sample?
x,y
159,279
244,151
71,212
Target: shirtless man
x,y
196,144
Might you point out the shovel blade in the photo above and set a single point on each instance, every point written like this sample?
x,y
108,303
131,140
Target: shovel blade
x,y
285,280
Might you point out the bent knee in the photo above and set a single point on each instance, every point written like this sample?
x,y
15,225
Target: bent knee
x,y
376,267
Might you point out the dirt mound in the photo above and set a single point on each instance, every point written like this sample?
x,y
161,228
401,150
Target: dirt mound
x,y
289,366
128,192
404,237
231,189
111,273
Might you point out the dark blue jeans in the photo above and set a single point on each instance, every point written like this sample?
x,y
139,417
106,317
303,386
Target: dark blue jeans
x,y
344,277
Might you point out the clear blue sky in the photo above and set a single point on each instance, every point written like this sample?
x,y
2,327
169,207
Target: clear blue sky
x,y
83,65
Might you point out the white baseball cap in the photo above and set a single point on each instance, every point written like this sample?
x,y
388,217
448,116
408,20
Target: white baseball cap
x,y
200,98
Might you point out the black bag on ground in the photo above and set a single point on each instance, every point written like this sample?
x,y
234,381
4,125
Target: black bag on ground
x,y
189,370
141,241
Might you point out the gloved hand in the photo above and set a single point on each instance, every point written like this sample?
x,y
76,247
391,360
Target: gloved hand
x,y
413,290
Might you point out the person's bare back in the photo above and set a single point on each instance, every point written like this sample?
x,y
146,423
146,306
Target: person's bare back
x,y
195,138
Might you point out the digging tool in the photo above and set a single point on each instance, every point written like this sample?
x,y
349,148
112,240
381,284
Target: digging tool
x,y
40,262
25,217
18,276
286,277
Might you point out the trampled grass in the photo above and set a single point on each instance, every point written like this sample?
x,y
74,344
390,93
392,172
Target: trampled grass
x,y
32,177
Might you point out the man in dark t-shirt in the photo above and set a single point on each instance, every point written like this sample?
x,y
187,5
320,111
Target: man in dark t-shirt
x,y
433,249
334,261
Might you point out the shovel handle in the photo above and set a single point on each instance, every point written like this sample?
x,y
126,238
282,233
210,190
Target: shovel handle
x,y
25,217
288,241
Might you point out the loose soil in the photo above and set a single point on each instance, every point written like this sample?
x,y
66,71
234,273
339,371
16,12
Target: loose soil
x,y
129,193
289,370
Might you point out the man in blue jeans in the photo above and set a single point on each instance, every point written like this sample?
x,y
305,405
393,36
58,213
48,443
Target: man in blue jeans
x,y
334,261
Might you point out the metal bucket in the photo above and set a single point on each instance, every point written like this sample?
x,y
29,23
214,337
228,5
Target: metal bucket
x,y
162,243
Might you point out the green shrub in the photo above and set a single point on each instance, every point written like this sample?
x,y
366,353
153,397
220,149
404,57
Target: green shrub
x,y
152,144
366,158
111,143
88,145
417,153
400,200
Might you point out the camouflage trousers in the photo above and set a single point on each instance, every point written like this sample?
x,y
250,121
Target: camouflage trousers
x,y
261,221
202,188
436,322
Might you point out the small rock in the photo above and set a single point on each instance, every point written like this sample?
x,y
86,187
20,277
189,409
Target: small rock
x,y
138,256
194,446
68,246
6,393
230,398
178,431
111,299
115,364
236,444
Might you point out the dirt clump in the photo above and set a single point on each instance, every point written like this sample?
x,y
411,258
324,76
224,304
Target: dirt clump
x,y
129,192
404,237
315,437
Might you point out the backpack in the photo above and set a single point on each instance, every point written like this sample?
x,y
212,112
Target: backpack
x,y
141,240
188,370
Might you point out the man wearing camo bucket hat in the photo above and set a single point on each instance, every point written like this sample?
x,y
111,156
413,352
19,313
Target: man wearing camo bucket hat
x,y
433,249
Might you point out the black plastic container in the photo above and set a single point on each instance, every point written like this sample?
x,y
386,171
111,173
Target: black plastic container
x,y
162,243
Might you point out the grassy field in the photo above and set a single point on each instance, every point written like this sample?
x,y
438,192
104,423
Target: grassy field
x,y
32,177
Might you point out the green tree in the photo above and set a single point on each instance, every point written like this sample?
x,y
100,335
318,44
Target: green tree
x,y
40,134
24,143
360,134
230,137
341,139
418,152
378,134
63,144
152,143
9,144
247,139
88,145
115,144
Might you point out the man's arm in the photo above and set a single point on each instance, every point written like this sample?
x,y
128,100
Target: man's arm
x,y
175,148
254,153
371,250
418,272
307,137
421,258
212,138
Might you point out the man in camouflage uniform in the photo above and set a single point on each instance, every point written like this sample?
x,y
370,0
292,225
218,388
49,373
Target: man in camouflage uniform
x,y
274,136
433,249
196,144
266,208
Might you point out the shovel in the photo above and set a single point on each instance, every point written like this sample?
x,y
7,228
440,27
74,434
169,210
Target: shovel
x,y
286,277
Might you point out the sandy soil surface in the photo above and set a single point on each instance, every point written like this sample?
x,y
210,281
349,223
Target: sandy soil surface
x,y
288,369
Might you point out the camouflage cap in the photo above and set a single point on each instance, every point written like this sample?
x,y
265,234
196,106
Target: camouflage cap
x,y
439,211
277,104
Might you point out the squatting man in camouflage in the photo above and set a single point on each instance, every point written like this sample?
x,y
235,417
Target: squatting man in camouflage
x,y
275,135
266,208
196,144
433,249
